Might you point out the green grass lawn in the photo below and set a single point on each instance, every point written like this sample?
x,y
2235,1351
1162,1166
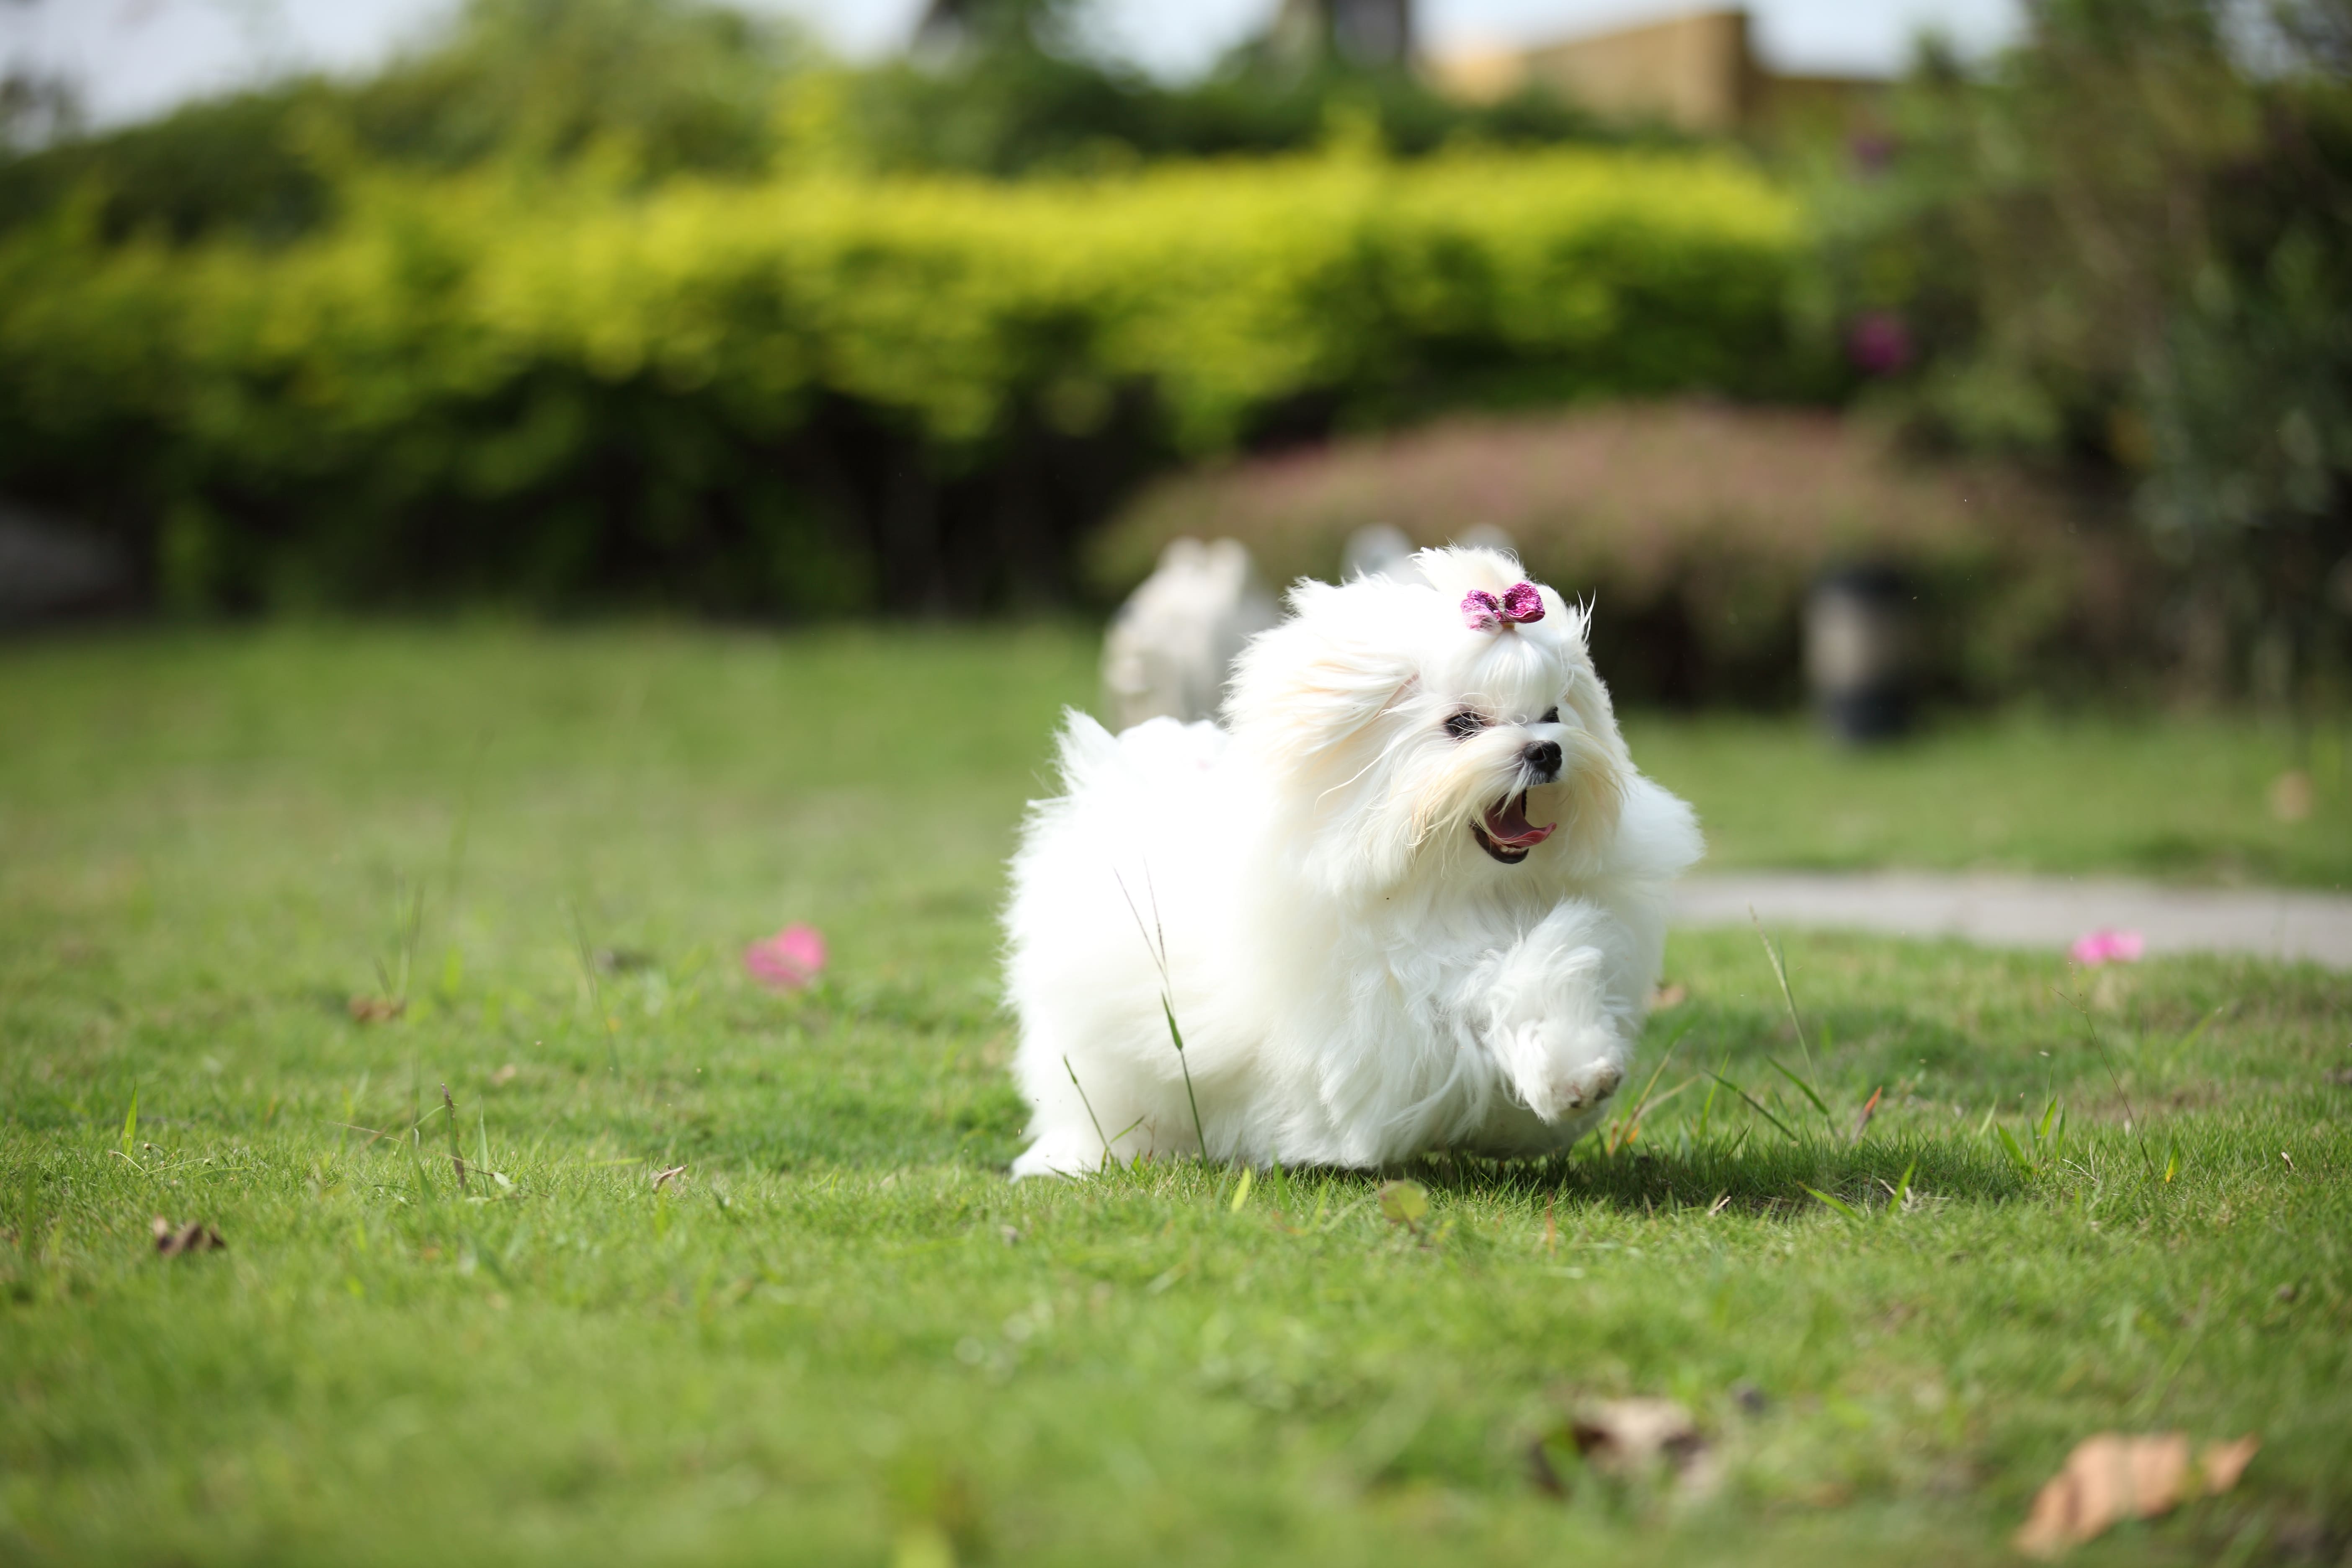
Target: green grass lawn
x,y
841,1336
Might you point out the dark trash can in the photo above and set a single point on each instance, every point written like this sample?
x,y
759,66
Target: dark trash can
x,y
1861,640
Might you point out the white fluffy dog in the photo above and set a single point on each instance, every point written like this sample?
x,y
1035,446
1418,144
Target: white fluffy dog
x,y
1413,898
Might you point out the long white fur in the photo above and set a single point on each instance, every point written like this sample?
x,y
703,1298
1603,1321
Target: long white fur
x,y
1357,981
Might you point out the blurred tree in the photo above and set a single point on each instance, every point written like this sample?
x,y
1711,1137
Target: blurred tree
x,y
37,106
2128,247
1010,85
658,85
1374,34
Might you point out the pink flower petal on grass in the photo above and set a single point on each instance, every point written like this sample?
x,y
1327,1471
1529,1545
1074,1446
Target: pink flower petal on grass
x,y
2107,945
788,960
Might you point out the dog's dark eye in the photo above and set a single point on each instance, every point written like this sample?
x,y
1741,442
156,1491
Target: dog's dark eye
x,y
1463,725
1551,716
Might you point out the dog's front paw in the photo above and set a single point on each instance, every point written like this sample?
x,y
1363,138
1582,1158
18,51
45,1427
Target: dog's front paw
x,y
1589,1085
1557,1091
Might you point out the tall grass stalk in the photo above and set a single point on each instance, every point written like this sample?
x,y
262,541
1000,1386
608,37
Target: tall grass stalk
x,y
1159,952
2132,1122
586,953
1090,1110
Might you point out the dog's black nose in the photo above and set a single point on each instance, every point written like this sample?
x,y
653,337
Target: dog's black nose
x,y
1543,756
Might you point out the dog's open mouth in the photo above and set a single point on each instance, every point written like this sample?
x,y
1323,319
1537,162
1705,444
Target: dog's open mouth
x,y
1506,833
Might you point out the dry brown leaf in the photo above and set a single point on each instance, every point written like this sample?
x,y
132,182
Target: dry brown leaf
x,y
1670,996
2292,796
2224,1463
2114,1477
1618,1434
505,1076
663,1178
171,1240
378,1009
1627,1438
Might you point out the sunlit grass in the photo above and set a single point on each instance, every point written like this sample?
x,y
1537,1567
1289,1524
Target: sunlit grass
x,y
840,1335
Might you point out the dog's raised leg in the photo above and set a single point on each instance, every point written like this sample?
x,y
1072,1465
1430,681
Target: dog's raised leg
x,y
1561,1037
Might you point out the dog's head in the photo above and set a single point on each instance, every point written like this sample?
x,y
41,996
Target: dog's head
x,y
1445,722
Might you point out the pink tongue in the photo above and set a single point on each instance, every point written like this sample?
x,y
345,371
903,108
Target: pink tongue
x,y
1508,827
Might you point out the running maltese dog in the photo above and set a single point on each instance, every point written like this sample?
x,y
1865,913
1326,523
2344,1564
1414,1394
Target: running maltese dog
x,y
1414,897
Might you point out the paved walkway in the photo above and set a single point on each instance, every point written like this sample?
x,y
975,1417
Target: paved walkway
x,y
2030,912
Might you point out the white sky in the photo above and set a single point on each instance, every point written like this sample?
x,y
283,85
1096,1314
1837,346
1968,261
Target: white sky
x,y
133,58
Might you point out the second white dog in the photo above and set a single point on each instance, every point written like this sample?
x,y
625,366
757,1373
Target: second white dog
x,y
1413,898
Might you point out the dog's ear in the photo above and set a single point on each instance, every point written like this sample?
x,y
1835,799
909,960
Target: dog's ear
x,y
1325,673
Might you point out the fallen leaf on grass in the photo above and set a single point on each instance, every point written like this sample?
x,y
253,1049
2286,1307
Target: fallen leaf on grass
x,y
2292,796
1625,1434
2113,1477
1630,1439
505,1076
377,1009
1665,997
1404,1202
663,1178
171,1240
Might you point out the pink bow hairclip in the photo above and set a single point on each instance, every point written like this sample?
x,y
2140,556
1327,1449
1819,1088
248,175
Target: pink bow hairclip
x,y
1519,605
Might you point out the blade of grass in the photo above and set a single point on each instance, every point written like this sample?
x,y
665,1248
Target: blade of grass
x,y
1806,1090
1754,1105
1168,1010
1780,973
1167,989
1902,1191
1869,1108
1089,1105
1641,1102
2193,1036
130,1123
457,1152
1840,1204
586,953
2133,1125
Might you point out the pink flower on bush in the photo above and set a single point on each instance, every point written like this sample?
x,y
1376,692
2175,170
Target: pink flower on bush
x,y
788,960
2107,945
1878,343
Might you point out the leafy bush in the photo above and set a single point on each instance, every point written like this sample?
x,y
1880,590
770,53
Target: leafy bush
x,y
1697,527
2125,248
761,395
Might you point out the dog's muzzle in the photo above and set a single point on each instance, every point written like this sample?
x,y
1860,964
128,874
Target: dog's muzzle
x,y
1505,832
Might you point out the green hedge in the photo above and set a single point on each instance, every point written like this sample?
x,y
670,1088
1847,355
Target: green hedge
x,y
763,396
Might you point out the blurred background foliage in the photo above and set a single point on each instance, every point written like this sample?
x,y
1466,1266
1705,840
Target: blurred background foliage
x,y
2126,249
644,302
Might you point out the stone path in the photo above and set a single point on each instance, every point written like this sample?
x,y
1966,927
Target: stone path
x,y
2030,912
